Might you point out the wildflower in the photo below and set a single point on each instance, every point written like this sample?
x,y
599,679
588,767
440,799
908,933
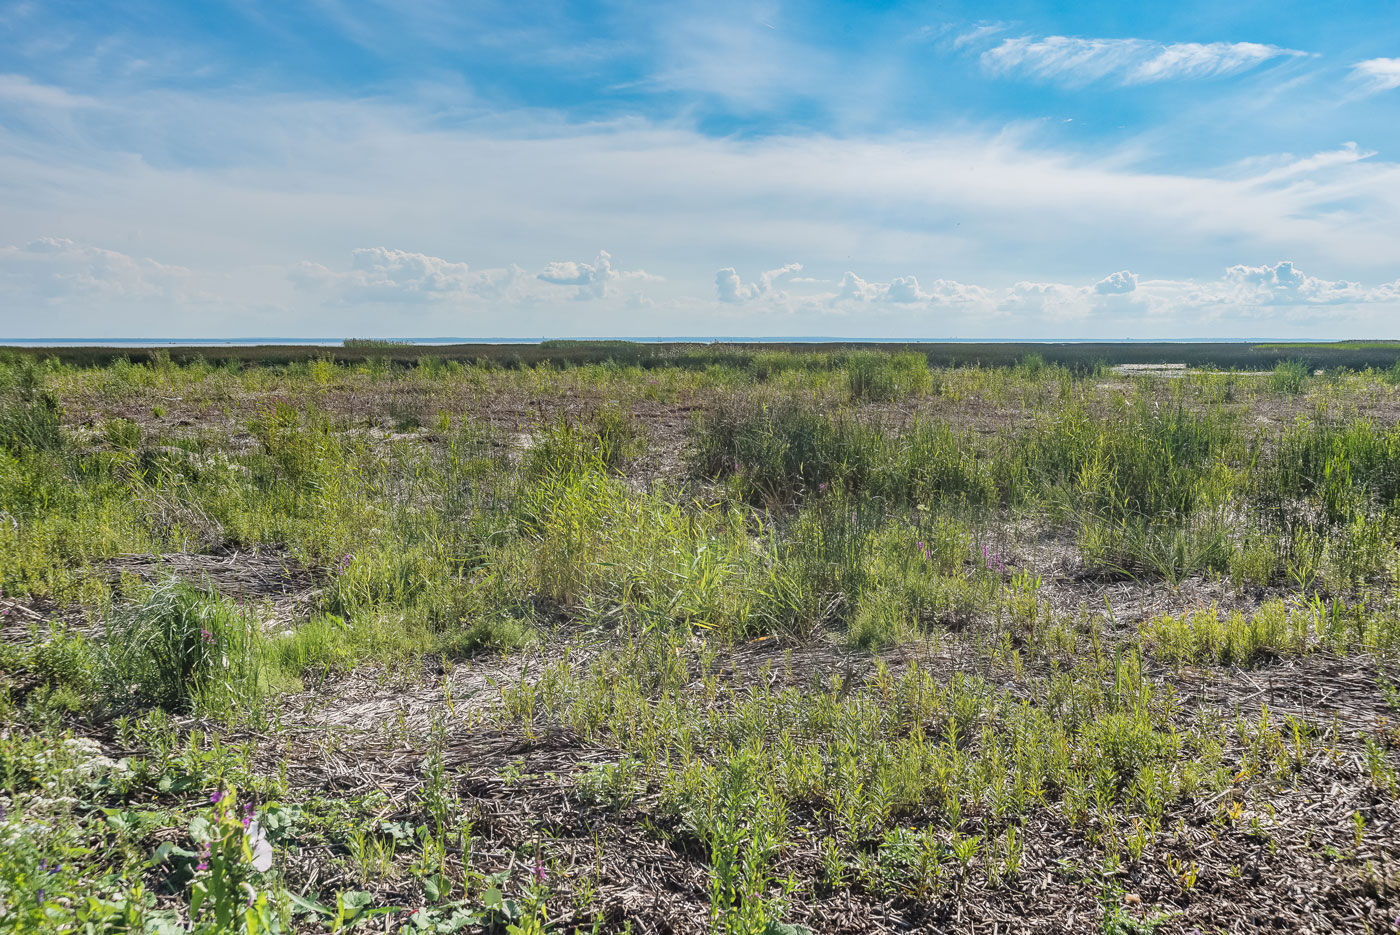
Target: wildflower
x,y
203,857
216,796
261,847
247,815
206,635
821,487
539,869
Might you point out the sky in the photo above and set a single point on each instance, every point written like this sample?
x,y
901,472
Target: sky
x,y
418,168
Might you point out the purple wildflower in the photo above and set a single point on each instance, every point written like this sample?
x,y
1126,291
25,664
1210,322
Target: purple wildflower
x,y
992,560
539,870
206,635
820,487
216,797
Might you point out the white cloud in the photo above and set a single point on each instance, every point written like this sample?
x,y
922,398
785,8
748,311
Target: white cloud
x,y
729,287
1285,284
56,271
905,289
1078,61
1242,291
18,89
236,188
1377,74
1047,300
978,33
855,289
592,279
382,274
386,275
1116,283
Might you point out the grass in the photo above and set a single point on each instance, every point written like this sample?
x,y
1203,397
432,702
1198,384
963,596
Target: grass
x,y
1079,357
819,640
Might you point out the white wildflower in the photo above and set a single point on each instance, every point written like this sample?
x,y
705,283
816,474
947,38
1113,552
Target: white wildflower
x,y
261,847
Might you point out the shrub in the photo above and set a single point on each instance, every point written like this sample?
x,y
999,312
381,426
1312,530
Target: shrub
x,y
29,414
1289,376
607,440
182,650
879,377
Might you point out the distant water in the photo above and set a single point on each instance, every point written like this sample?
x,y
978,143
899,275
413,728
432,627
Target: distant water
x,y
705,339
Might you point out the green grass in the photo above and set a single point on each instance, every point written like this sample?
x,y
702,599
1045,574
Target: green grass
x,y
799,628
1079,357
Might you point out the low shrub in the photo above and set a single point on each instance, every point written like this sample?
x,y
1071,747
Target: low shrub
x,y
182,650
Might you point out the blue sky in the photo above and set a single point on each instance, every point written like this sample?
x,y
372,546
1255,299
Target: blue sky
x,y
425,167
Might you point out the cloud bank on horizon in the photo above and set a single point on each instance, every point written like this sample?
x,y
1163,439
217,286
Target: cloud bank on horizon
x,y
418,169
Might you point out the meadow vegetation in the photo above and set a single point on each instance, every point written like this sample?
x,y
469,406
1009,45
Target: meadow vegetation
x,y
745,641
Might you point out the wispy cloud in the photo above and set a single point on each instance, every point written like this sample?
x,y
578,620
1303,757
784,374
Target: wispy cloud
x,y
978,33
19,89
1377,74
1076,61
56,270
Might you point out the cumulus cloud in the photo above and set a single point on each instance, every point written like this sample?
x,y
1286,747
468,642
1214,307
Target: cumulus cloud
x,y
906,290
1079,61
55,270
855,289
1285,284
592,279
1050,300
729,287
382,274
1246,291
1117,283
1377,74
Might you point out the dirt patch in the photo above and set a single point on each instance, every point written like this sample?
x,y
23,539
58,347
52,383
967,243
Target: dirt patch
x,y
272,581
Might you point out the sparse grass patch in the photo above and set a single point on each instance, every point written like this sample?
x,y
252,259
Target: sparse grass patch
x,y
867,644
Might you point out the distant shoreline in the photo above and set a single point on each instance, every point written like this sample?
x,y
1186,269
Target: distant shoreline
x,y
141,343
